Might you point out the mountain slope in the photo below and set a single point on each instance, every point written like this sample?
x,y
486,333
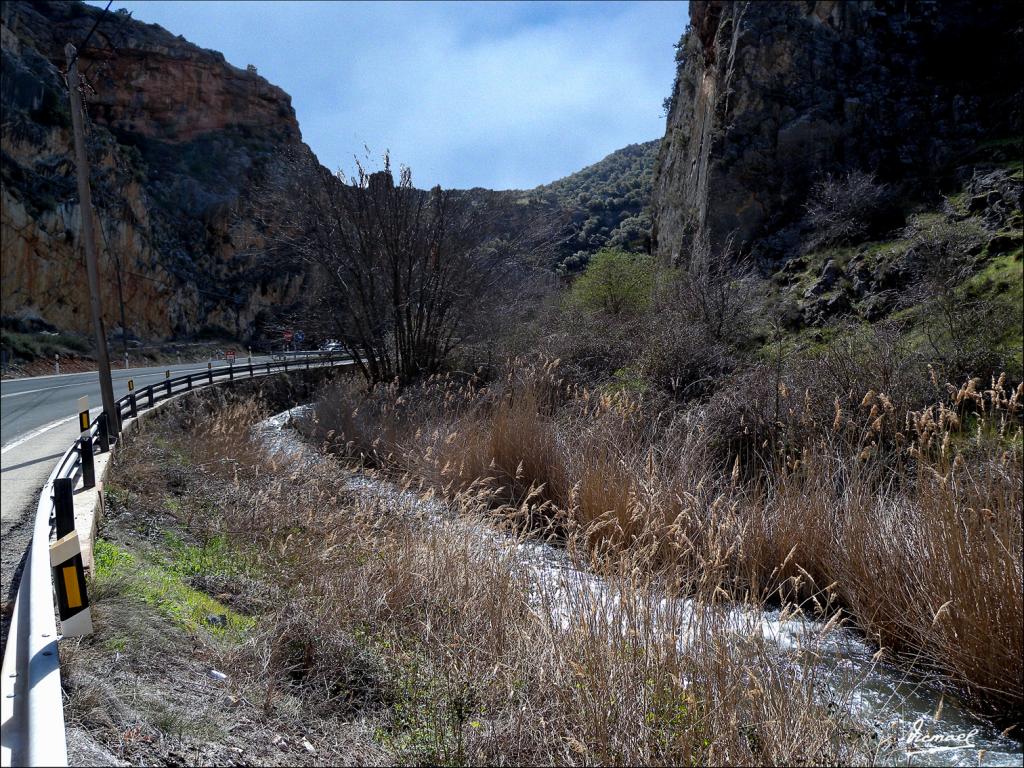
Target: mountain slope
x,y
771,97
183,149
607,202
177,141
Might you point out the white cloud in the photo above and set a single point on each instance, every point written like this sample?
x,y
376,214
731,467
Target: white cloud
x,y
496,95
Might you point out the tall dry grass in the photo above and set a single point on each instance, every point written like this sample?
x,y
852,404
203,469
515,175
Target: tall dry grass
x,y
455,652
910,521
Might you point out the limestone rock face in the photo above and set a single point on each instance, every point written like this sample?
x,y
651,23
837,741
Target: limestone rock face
x,y
771,95
180,144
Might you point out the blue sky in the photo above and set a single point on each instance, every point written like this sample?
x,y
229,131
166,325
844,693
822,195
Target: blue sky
x,y
492,94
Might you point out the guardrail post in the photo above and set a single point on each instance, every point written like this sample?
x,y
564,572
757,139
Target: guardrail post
x,y
307,362
102,433
209,373
231,372
134,405
64,505
268,367
88,467
190,382
251,372
167,382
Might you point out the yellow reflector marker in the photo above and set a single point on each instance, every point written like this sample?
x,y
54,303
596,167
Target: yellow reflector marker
x,y
69,583
71,586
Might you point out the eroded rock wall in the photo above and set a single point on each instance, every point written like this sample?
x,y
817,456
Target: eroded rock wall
x,y
770,96
180,143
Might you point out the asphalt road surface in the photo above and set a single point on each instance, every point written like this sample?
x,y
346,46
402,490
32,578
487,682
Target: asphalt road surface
x,y
26,405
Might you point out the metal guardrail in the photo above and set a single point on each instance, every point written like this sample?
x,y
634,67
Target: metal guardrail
x,y
32,717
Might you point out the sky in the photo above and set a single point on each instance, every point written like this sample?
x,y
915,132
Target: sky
x,y
505,95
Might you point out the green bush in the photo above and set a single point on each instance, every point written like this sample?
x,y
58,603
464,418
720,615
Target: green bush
x,y
615,282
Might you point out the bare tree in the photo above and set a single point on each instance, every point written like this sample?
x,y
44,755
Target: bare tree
x,y
397,274
845,209
717,290
964,329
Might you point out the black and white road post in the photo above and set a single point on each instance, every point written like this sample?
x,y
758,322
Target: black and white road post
x,y
69,582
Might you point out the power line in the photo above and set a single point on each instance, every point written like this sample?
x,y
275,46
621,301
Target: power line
x,y
126,17
126,271
89,36
234,298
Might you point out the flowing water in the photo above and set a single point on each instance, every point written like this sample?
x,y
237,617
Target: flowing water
x,y
898,710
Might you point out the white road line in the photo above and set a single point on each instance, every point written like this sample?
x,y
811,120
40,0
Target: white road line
x,y
36,433
43,389
113,371
116,379
94,411
53,424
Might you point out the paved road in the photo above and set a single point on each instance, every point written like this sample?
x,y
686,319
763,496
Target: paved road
x,y
26,405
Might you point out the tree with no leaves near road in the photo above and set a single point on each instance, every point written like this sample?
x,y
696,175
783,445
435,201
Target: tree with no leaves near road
x,y
397,273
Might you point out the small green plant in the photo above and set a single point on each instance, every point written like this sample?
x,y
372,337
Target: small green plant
x,y
161,584
629,379
673,715
215,557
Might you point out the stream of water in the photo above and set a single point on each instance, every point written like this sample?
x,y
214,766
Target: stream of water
x,y
898,708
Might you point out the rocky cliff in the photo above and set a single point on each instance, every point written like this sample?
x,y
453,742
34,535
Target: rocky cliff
x,y
179,141
770,97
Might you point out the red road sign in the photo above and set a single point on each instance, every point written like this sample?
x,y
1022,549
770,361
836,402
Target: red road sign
x,y
230,355
287,335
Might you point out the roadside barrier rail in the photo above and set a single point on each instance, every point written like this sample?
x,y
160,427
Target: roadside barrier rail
x,y
32,717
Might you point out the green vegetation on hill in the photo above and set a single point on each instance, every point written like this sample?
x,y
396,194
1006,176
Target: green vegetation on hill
x,y
777,420
609,201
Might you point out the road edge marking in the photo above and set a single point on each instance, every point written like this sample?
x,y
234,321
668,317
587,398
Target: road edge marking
x,y
36,433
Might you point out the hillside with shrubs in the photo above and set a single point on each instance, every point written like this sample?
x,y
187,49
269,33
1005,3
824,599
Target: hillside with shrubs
x,y
842,434
826,415
609,203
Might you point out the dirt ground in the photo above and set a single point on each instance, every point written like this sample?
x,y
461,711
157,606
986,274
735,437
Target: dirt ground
x,y
16,538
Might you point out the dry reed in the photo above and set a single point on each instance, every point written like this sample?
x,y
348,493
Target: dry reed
x,y
908,521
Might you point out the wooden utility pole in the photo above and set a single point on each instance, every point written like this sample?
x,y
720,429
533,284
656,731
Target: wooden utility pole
x,y
89,242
